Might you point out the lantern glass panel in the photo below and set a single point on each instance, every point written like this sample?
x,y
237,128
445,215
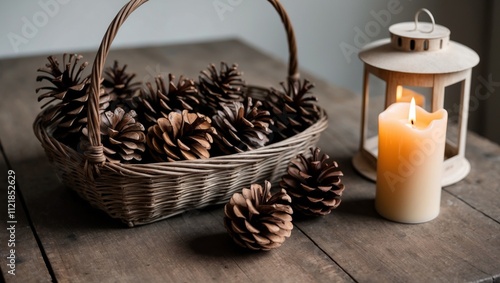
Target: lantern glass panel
x,y
422,95
376,98
453,104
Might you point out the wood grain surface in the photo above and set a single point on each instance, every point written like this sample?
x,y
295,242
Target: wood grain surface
x,y
353,243
29,262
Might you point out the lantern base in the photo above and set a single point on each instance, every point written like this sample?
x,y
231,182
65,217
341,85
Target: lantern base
x,y
455,169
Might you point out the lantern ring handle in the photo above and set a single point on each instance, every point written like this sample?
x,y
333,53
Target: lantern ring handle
x,y
430,16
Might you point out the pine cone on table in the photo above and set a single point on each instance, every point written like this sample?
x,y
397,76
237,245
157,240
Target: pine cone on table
x,y
121,88
67,96
313,183
181,136
123,138
292,109
257,220
241,126
220,86
160,101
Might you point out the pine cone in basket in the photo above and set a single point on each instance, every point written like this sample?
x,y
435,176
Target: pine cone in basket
x,y
313,184
159,102
123,138
121,88
292,109
181,136
258,221
70,93
221,86
241,126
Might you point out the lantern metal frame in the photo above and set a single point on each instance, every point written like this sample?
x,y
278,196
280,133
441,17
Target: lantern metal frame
x,y
419,57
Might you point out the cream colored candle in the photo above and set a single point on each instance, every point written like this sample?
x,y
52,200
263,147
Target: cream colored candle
x,y
410,163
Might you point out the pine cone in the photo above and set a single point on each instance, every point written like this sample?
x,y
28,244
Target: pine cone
x,y
223,86
258,221
293,111
71,92
118,83
159,102
313,184
122,136
181,136
241,126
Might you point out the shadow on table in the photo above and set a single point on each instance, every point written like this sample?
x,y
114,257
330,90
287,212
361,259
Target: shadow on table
x,y
51,204
219,245
357,208
353,209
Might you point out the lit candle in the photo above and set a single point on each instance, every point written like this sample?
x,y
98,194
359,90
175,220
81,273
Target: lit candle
x,y
410,162
405,95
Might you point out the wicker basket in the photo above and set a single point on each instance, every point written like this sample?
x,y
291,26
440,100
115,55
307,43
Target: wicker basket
x,y
143,193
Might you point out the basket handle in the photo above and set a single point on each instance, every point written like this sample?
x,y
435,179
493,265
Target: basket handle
x,y
94,153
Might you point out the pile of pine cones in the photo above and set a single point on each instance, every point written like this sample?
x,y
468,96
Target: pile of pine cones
x,y
257,220
173,119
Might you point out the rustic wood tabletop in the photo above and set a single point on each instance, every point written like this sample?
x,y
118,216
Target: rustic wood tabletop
x,y
59,237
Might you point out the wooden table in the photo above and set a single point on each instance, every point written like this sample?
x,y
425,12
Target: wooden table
x,y
60,237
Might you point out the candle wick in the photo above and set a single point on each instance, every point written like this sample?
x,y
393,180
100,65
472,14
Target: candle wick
x,y
413,123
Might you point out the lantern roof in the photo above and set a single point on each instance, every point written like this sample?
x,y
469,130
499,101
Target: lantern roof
x,y
420,48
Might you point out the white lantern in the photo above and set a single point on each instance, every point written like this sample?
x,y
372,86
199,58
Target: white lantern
x,y
418,55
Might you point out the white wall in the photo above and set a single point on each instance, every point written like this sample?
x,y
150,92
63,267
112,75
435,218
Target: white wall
x,y
329,32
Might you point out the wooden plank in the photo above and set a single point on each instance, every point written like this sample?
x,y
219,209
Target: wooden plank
x,y
29,265
84,245
481,188
460,245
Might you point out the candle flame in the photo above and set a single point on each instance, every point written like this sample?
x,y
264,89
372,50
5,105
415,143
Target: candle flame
x,y
399,93
412,116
